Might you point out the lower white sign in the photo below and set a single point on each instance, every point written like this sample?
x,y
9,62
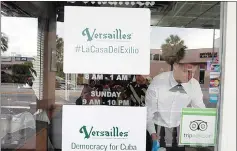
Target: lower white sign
x,y
198,127
103,128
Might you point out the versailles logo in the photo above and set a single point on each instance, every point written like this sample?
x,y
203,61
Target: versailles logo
x,y
117,34
114,132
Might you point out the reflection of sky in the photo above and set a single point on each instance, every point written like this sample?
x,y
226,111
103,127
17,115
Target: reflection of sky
x,y
193,37
22,33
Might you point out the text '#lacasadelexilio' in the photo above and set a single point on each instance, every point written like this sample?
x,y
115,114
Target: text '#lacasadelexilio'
x,y
109,49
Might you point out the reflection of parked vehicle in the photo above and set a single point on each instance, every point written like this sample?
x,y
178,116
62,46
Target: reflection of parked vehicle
x,y
61,84
69,86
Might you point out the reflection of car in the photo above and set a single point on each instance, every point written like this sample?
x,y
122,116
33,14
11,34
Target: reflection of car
x,y
59,79
70,86
61,84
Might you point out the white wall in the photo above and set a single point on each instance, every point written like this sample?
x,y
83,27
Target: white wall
x,y
227,133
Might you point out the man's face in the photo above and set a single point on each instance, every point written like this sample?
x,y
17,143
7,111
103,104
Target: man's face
x,y
184,72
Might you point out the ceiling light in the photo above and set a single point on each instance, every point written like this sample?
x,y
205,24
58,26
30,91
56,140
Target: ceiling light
x,y
115,3
140,3
111,3
104,2
147,3
120,3
126,3
92,2
132,3
152,3
99,3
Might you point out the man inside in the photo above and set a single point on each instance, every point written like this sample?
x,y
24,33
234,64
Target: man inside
x,y
167,94
136,91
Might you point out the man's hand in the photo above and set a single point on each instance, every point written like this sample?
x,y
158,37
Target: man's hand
x,y
154,136
155,142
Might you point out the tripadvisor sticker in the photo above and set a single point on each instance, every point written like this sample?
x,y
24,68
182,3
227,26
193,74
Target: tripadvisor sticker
x,y
198,127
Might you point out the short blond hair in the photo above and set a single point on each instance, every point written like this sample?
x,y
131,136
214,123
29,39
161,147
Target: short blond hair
x,y
173,55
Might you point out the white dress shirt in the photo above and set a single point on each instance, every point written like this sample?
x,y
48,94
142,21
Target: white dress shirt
x,y
164,107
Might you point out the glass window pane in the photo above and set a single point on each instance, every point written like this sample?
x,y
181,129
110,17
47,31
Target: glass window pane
x,y
184,72
18,73
94,88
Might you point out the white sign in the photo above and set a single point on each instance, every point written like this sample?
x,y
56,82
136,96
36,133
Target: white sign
x,y
198,127
106,40
103,128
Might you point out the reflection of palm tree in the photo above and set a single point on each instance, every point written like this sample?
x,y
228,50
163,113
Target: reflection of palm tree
x,y
173,50
4,42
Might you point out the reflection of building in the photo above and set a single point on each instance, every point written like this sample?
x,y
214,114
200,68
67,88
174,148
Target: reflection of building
x,y
7,62
158,65
199,56
15,60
